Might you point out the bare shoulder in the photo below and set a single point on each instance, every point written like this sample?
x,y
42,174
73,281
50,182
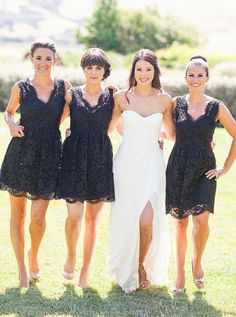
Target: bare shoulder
x,y
222,108
16,88
166,100
165,96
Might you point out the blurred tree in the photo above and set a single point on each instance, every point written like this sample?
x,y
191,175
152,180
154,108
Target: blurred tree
x,y
103,27
139,29
128,31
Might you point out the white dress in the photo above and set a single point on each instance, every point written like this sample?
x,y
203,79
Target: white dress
x,y
139,175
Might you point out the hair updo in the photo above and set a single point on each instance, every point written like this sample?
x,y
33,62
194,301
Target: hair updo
x,y
200,61
43,43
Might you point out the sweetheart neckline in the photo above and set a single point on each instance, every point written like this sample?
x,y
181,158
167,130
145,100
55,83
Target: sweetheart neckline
x,y
144,117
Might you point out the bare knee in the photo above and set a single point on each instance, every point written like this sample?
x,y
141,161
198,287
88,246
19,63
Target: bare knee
x,y
75,213
181,226
93,212
38,218
38,211
200,224
18,218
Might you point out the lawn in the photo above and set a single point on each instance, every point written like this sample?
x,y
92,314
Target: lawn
x,y
53,296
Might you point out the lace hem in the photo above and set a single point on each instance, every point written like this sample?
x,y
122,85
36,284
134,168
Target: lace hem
x,y
194,211
91,201
28,195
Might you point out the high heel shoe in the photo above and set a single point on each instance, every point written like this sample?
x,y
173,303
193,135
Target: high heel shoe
x,y
178,291
68,275
199,282
143,282
34,276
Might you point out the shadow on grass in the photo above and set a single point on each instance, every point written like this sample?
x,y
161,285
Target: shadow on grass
x,y
154,302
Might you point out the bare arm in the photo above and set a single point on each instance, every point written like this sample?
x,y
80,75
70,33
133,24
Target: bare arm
x,y
16,129
116,115
66,110
229,124
168,121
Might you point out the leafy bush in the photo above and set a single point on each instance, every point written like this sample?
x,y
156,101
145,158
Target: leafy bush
x,y
124,32
176,57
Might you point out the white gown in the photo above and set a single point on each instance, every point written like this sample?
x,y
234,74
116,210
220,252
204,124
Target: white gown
x,y
139,175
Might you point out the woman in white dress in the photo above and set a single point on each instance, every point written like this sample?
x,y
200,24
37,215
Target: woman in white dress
x,y
139,240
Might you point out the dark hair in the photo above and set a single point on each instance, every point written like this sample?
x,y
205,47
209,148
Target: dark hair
x,y
96,56
43,43
198,60
198,57
148,56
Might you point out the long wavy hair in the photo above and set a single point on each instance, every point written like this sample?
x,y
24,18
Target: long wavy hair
x,y
148,56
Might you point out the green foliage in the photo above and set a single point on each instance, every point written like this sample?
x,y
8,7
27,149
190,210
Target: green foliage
x,y
5,90
139,30
177,55
103,27
125,32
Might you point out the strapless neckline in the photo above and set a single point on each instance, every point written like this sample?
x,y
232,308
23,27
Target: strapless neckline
x,y
141,116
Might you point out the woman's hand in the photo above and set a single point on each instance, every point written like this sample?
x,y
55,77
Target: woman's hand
x,y
217,172
67,133
16,130
161,143
114,88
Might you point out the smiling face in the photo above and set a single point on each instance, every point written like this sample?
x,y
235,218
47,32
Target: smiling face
x,y
43,59
196,77
94,73
143,73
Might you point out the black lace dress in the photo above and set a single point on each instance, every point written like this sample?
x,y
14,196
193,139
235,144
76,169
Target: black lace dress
x,y
31,164
86,168
188,191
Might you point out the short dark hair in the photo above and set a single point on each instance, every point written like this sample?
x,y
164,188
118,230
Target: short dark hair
x,y
148,56
43,43
96,56
198,60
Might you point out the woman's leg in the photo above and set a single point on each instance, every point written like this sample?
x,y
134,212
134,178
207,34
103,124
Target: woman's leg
x,y
199,237
72,231
37,230
145,226
92,217
180,248
17,231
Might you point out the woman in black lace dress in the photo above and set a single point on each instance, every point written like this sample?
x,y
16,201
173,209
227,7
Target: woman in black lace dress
x,y
191,171
30,166
86,168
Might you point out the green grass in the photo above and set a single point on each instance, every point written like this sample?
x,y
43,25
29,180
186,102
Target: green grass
x,y
52,296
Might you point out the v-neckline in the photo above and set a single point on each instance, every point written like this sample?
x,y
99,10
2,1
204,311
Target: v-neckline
x,y
87,102
50,95
199,117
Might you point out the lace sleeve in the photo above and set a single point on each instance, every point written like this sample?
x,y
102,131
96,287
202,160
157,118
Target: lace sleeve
x,y
22,86
214,110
